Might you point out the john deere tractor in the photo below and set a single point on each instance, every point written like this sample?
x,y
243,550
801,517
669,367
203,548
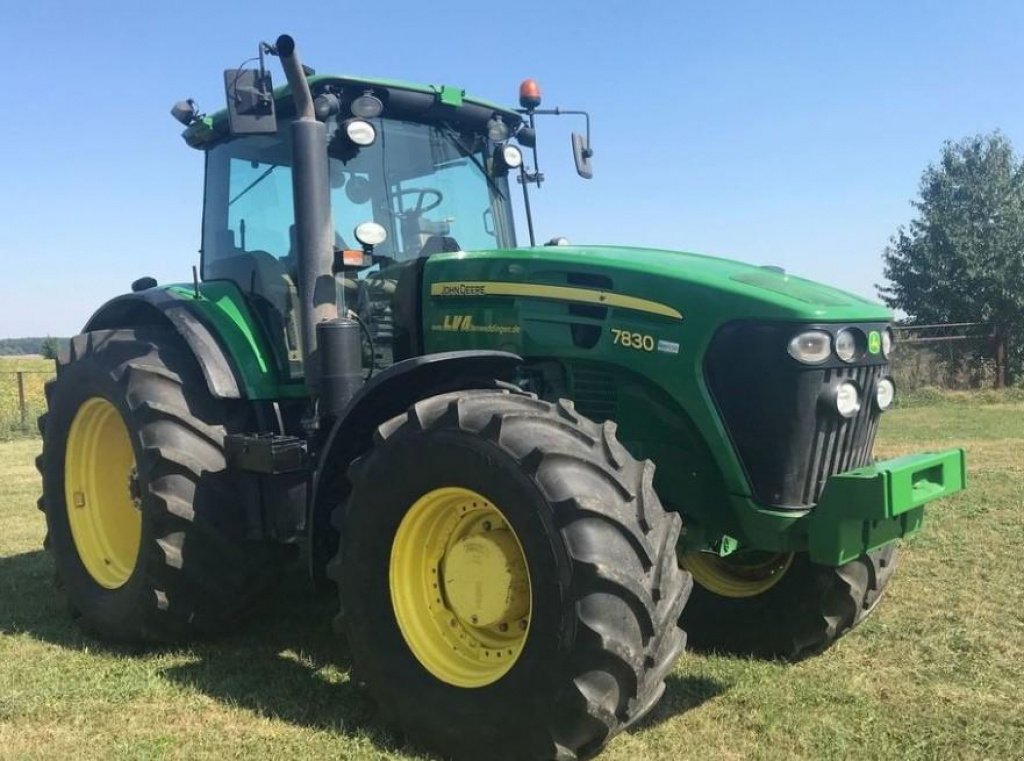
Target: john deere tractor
x,y
514,462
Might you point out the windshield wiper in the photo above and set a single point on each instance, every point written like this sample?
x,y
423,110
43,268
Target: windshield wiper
x,y
254,183
452,135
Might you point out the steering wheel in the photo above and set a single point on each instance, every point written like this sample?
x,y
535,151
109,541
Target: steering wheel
x,y
421,206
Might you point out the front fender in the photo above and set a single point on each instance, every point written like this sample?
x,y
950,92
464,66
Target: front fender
x,y
383,397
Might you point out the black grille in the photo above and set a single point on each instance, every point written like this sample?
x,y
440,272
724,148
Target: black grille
x,y
842,444
594,393
787,439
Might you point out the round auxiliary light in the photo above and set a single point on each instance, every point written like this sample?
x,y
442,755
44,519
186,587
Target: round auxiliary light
x,y
513,156
847,399
848,344
887,342
812,347
370,233
497,130
366,106
360,132
885,393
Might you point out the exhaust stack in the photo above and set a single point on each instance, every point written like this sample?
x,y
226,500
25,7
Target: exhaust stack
x,y
314,229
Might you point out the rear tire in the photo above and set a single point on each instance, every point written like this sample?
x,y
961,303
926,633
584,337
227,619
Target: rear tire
x,y
803,613
192,572
605,586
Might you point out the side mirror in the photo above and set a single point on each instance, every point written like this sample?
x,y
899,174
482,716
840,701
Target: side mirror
x,y
581,153
250,102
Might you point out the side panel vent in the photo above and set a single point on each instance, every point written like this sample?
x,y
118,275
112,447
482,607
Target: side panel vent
x,y
595,394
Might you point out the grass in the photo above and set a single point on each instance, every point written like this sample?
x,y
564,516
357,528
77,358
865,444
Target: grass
x,y
35,372
937,672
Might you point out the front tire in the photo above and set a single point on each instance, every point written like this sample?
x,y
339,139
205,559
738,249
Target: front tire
x,y
491,522
781,605
143,522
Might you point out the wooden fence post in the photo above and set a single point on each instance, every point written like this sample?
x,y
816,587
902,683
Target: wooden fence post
x,y
1000,358
21,397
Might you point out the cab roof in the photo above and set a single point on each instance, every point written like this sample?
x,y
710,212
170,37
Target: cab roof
x,y
409,100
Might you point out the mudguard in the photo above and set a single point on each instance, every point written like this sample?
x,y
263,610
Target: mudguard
x,y
385,395
159,306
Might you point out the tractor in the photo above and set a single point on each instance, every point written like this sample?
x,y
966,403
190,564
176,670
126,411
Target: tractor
x,y
525,470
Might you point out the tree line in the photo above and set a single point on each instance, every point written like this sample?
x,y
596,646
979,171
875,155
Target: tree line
x,y
48,346
961,258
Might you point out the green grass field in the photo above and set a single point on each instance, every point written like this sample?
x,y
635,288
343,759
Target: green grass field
x,y
937,672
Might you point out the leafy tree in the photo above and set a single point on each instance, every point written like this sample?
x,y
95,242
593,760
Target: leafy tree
x,y
50,347
962,258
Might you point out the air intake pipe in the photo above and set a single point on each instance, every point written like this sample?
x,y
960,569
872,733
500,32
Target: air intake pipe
x,y
314,243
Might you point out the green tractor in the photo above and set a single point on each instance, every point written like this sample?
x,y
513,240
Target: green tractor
x,y
462,434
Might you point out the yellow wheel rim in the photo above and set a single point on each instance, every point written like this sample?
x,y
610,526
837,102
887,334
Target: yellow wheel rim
x,y
460,587
742,575
101,493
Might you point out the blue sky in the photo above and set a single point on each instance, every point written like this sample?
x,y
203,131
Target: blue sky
x,y
777,133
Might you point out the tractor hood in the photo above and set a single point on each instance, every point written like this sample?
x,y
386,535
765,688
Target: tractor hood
x,y
696,286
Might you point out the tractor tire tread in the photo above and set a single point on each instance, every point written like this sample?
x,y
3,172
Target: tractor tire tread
x,y
593,485
200,575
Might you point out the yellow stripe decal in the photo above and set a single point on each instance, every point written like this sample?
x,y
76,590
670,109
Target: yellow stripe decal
x,y
556,292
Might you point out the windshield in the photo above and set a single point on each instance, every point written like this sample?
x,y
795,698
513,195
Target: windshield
x,y
426,184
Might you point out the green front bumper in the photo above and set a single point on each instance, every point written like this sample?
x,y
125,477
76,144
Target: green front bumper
x,y
863,509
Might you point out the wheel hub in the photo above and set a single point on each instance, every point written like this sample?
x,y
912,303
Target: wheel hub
x,y
485,579
460,587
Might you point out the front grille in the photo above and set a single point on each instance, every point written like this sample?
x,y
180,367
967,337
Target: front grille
x,y
789,442
842,444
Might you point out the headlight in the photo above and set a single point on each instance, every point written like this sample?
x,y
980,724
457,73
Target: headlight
x,y
812,347
848,344
847,400
885,393
887,342
513,158
360,132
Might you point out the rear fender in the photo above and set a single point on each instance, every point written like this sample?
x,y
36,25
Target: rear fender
x,y
159,307
219,328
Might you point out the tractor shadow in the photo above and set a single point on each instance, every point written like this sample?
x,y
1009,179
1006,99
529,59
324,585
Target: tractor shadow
x,y
286,663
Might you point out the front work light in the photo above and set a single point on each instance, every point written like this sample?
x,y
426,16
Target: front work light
x,y
360,132
885,393
811,347
887,342
366,106
497,130
512,157
847,400
370,234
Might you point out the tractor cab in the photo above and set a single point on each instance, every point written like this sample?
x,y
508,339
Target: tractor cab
x,y
418,170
